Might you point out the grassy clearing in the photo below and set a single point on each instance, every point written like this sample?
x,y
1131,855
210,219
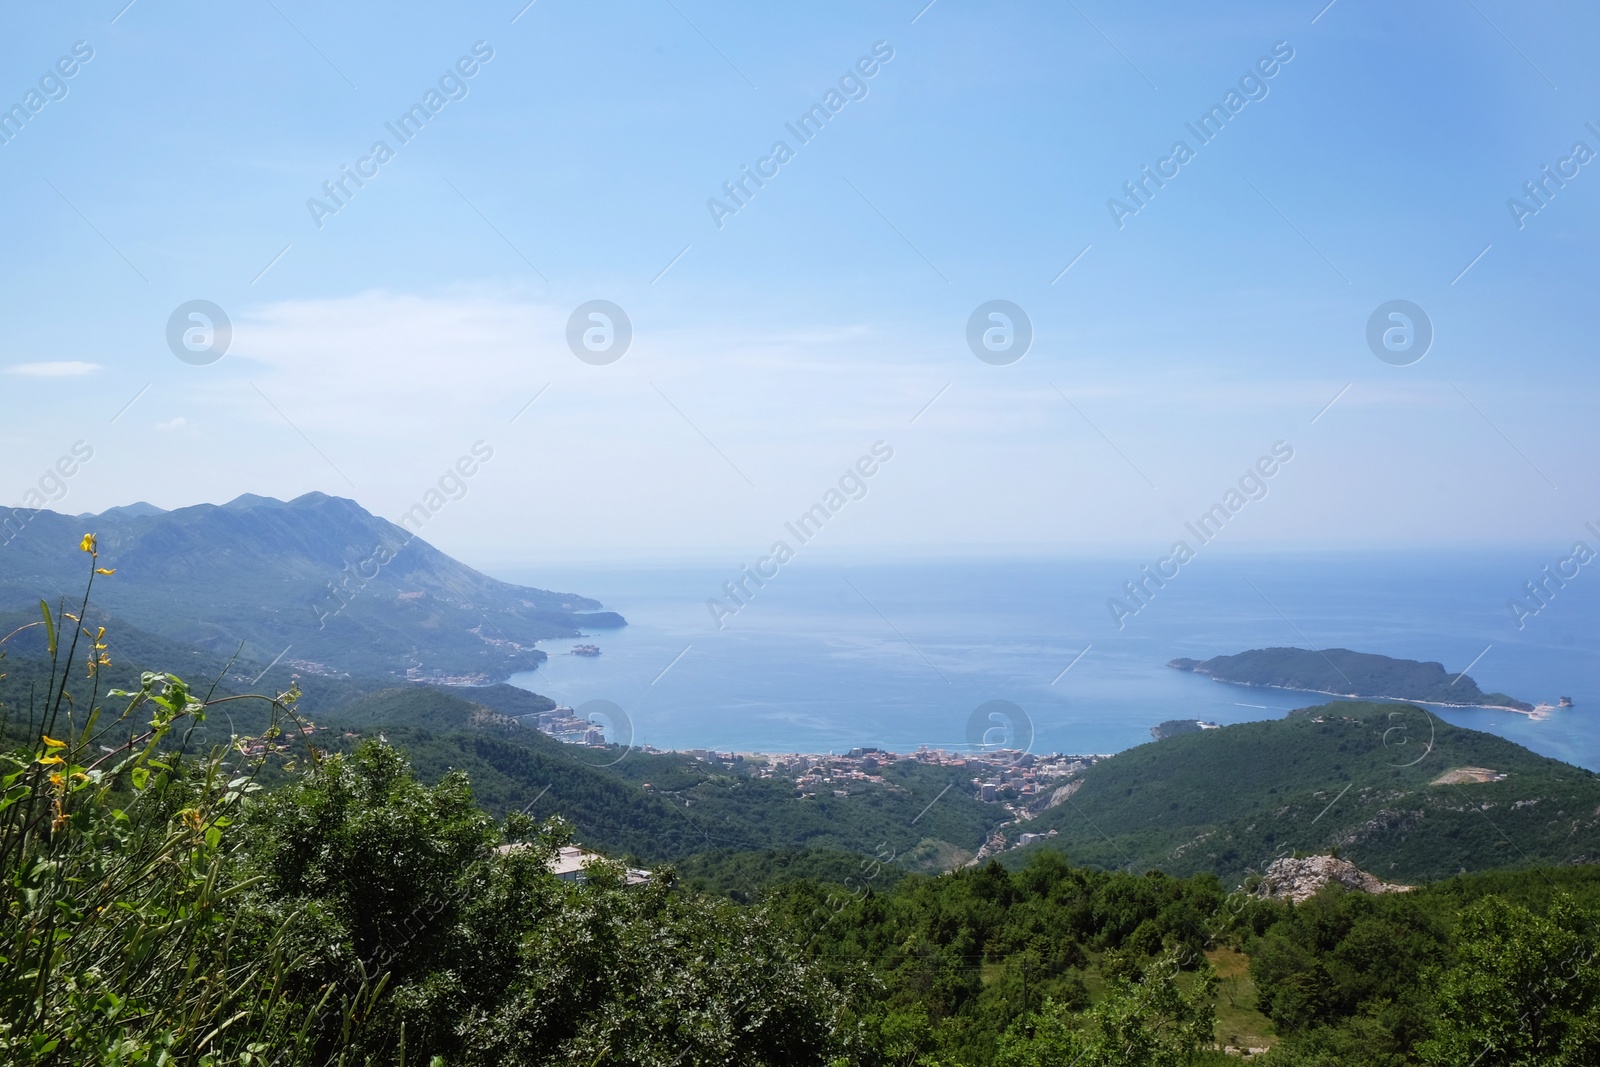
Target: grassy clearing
x,y
1239,1022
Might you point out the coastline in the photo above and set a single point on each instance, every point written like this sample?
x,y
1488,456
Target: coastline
x,y
1538,713
811,680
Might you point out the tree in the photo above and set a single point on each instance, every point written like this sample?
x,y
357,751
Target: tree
x,y
486,958
1150,1021
1524,990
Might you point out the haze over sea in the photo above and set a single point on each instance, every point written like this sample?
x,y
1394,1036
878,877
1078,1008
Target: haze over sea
x,y
836,654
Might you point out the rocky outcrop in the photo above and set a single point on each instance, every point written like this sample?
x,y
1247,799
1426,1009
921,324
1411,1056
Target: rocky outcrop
x,y
1298,879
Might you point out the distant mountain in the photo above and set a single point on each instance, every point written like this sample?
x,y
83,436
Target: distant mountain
x,y
1397,791
135,510
318,581
1340,672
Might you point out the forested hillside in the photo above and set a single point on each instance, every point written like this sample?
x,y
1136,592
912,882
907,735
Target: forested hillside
x,y
1382,783
317,584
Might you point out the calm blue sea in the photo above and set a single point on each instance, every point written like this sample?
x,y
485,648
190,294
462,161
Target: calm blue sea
x,y
830,656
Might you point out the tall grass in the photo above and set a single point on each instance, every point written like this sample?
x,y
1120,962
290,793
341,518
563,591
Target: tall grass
x,y
118,944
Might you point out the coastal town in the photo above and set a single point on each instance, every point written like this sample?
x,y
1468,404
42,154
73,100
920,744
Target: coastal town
x,y
1024,783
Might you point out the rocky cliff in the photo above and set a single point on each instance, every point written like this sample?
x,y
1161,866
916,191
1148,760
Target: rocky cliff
x,y
1298,879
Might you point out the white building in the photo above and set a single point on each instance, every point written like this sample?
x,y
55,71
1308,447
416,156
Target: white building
x,y
570,861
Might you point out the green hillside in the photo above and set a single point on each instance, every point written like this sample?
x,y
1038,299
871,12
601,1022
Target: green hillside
x,y
442,710
24,667
332,589
1348,775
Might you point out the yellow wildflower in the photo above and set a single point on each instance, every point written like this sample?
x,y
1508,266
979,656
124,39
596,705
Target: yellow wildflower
x,y
105,570
51,761
57,780
88,543
52,742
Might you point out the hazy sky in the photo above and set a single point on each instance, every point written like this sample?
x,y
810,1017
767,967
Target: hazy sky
x,y
381,332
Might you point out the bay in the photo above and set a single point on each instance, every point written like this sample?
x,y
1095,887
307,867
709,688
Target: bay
x,y
838,653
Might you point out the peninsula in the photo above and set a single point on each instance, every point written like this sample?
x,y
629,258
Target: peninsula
x,y
1341,672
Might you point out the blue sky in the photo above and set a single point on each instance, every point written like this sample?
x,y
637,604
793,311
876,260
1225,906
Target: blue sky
x,y
769,353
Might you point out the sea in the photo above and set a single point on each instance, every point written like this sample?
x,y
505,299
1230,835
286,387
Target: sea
x,y
896,654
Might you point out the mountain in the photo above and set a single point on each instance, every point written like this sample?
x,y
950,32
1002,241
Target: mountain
x,y
138,509
317,583
1397,791
1340,672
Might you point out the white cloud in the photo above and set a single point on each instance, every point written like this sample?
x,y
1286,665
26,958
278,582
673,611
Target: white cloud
x,y
704,437
65,368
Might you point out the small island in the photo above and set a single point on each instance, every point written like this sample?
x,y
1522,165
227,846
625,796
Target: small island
x,y
1341,672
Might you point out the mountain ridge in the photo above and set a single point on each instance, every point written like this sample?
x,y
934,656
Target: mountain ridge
x,y
345,591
